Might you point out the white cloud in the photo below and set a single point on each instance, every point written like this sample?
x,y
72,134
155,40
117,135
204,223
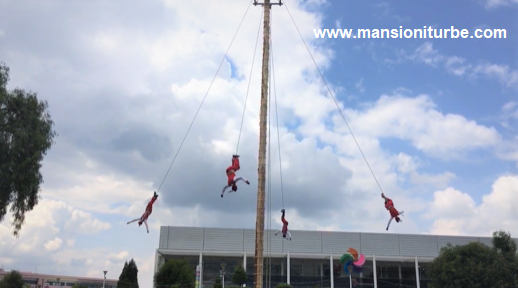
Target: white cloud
x,y
417,120
53,245
457,66
360,86
455,212
426,54
84,224
509,113
491,4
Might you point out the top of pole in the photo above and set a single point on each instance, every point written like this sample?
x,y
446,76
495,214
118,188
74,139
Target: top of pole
x,y
271,4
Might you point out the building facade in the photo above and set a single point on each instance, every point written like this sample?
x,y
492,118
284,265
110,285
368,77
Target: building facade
x,y
311,259
36,280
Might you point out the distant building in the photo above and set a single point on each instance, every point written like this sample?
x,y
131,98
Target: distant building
x,y
36,280
311,259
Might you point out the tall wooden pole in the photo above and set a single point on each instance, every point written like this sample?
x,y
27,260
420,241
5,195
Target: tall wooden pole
x,y
259,222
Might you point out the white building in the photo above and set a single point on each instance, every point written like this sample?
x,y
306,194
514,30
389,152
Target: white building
x,y
393,260
37,280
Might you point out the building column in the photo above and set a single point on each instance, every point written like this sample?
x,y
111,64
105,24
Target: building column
x,y
399,270
289,268
201,269
244,265
417,273
157,259
375,272
332,271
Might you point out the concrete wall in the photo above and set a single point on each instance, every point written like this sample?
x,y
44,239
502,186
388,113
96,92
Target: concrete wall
x,y
312,242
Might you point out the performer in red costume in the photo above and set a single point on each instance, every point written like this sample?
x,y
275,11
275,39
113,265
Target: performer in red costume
x,y
231,175
149,210
389,205
284,229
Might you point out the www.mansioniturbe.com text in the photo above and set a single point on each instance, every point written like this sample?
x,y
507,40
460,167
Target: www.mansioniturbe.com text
x,y
425,32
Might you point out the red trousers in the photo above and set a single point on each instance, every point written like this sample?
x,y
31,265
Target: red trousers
x,y
393,212
149,209
235,166
284,225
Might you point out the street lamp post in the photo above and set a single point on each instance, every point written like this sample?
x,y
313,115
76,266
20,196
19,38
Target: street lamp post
x,y
350,269
223,267
104,280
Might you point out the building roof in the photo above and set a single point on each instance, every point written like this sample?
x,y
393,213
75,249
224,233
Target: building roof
x,y
189,240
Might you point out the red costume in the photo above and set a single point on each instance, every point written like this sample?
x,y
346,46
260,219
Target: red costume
x,y
394,213
232,169
285,233
149,210
390,207
284,225
231,175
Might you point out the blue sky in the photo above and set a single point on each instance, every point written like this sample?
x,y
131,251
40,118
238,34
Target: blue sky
x,y
480,100
436,119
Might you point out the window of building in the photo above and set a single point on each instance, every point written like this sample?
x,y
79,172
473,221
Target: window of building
x,y
387,270
296,267
367,270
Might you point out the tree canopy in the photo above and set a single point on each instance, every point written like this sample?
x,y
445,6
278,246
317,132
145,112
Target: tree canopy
x,y
26,134
175,272
12,280
476,265
129,275
239,277
217,282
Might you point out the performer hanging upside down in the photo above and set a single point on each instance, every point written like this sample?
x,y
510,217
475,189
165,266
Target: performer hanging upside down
x,y
393,211
231,175
149,209
284,230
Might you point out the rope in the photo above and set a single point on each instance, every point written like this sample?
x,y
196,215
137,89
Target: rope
x,y
277,117
205,97
270,174
249,81
332,95
270,78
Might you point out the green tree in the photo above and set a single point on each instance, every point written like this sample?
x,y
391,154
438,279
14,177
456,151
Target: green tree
x,y
175,272
77,285
283,285
217,282
504,245
129,275
239,277
474,265
12,280
26,134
